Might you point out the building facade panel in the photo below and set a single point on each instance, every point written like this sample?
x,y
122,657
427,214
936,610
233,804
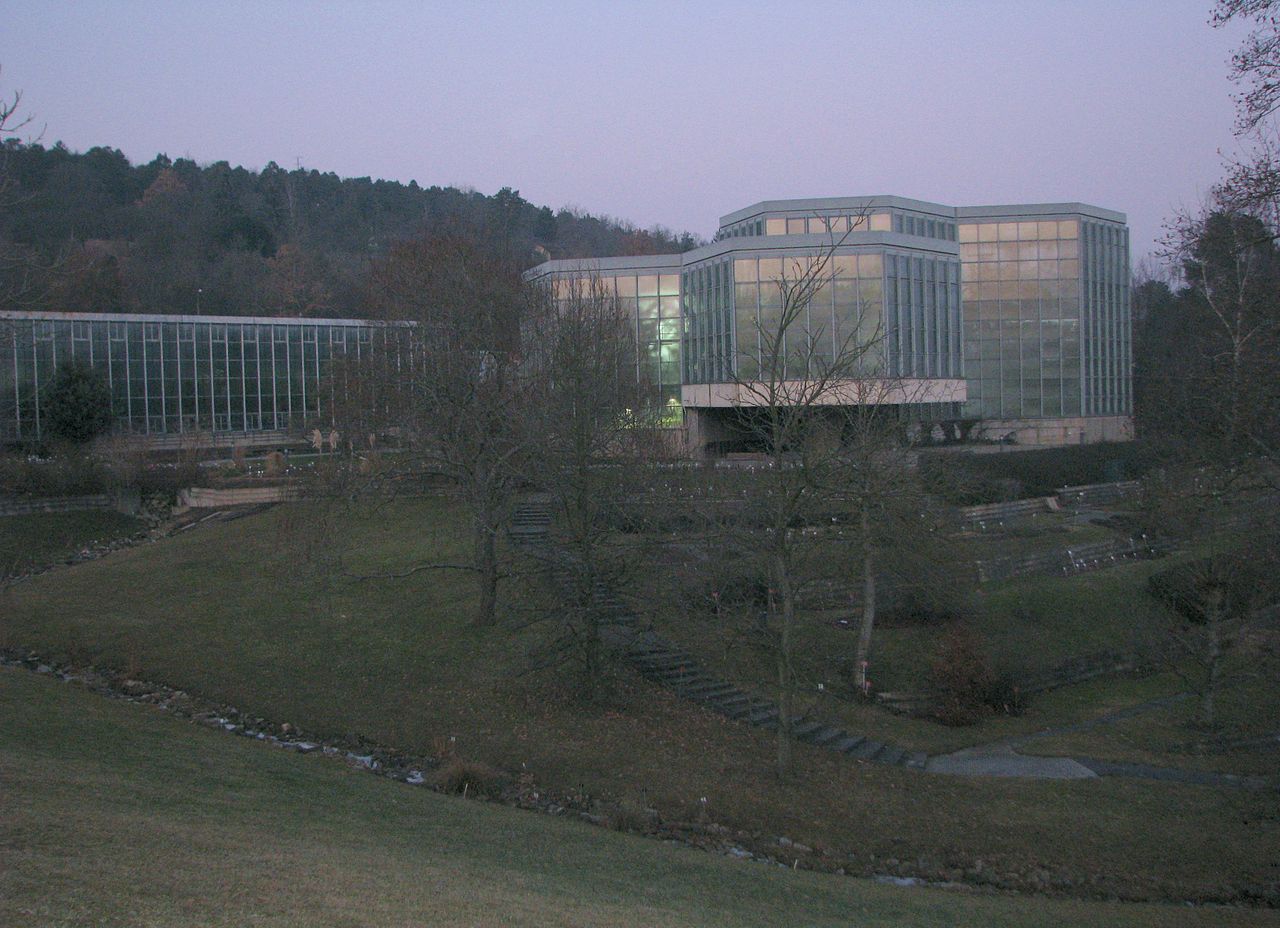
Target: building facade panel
x,y
176,374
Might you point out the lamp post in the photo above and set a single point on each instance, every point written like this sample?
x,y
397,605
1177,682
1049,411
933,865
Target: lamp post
x,y
199,290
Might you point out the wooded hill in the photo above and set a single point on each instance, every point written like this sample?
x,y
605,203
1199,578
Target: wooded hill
x,y
90,232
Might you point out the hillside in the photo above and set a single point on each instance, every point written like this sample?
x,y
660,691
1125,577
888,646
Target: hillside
x,y
91,232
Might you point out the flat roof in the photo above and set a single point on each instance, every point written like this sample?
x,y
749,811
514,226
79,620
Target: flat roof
x,y
170,317
1039,209
889,201
817,204
616,263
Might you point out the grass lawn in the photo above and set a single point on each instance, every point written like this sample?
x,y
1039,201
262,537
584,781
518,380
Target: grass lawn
x,y
43,538
115,815
1025,625
1168,736
248,612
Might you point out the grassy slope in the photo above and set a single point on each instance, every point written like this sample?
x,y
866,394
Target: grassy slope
x,y
233,612
113,814
43,538
1025,625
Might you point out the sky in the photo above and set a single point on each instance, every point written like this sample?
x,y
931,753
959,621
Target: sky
x,y
657,113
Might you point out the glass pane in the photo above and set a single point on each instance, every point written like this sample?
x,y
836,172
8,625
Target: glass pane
x,y
775,226
770,268
881,222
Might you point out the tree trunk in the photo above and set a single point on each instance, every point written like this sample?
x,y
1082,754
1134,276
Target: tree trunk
x,y
1213,658
782,581
486,554
863,652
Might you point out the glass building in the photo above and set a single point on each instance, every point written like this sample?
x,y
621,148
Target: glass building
x,y
175,374
1013,317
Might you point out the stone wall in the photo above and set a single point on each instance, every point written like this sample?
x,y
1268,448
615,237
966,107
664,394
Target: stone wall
x,y
210,498
12,506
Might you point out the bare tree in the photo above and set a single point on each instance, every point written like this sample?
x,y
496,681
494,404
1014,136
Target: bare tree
x,y
1256,64
1231,267
795,395
22,272
588,429
1227,590
446,381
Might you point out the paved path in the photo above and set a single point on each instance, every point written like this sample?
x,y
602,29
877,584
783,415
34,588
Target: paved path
x,y
1004,761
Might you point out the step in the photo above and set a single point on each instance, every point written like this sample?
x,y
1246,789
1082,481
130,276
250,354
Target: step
x,y
765,716
667,662
915,760
741,710
703,692
866,749
845,745
677,678
891,755
805,729
732,702
826,736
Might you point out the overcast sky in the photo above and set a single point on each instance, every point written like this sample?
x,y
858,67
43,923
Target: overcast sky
x,y
670,113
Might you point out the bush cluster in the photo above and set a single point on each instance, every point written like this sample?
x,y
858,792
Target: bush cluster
x,y
977,479
965,685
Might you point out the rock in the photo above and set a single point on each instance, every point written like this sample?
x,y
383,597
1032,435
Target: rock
x,y
891,880
415,778
306,747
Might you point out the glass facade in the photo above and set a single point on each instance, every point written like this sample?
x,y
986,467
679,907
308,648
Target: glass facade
x,y
174,374
1107,349
1046,317
900,310
652,302
826,223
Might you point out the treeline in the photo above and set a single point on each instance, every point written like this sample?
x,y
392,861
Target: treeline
x,y
91,232
1206,375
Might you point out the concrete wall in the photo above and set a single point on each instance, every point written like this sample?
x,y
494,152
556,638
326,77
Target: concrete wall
x,y
1048,433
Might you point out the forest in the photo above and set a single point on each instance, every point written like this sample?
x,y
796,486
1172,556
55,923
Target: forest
x,y
91,232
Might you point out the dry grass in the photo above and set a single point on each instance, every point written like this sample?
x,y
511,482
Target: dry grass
x,y
234,613
114,815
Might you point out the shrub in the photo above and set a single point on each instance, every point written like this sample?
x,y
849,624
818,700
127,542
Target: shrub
x,y
1244,581
469,777
975,479
70,474
1006,695
77,405
961,677
631,816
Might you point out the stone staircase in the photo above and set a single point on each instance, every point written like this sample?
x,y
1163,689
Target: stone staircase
x,y
663,662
